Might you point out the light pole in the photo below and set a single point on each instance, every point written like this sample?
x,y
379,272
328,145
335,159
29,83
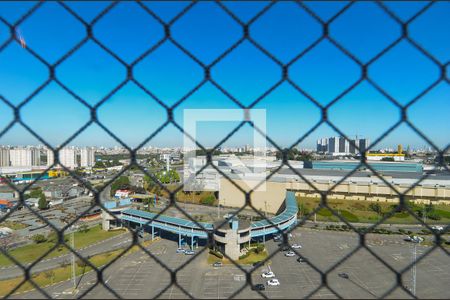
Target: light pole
x,y
414,269
72,228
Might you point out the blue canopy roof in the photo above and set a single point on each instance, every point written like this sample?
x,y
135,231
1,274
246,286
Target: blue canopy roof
x,y
166,219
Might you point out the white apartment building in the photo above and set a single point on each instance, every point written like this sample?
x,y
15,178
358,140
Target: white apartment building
x,y
4,157
87,157
68,157
50,158
24,157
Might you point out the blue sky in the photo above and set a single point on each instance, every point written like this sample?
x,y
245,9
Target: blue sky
x,y
246,73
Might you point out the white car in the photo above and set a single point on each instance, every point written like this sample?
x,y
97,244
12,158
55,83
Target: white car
x,y
437,228
289,254
269,274
273,282
416,239
296,246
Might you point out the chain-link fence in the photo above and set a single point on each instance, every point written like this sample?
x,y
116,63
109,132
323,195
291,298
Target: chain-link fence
x,y
285,78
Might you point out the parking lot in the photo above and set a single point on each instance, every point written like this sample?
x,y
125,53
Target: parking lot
x,y
139,276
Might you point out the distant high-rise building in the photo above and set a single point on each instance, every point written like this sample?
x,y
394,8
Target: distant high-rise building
x,y
363,144
50,158
68,158
4,157
87,157
35,157
333,145
352,147
344,145
341,146
322,145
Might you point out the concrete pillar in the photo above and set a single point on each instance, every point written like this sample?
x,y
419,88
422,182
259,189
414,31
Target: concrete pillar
x,y
192,242
179,240
153,233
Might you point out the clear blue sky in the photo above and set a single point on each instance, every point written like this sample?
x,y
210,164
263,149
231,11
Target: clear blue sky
x,y
206,31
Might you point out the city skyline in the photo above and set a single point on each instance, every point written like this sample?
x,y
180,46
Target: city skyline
x,y
245,73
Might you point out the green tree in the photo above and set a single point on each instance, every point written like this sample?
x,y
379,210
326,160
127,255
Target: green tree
x,y
35,193
123,182
99,164
42,204
375,207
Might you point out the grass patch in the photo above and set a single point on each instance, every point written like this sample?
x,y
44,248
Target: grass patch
x,y
56,275
13,225
324,212
349,216
32,252
253,257
63,273
442,213
361,211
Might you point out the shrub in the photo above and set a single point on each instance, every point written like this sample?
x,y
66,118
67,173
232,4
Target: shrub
x,y
245,255
434,216
259,248
216,253
39,238
208,200
81,263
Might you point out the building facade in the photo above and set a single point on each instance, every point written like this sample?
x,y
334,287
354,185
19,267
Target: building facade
x,y
87,157
4,157
19,157
68,158
341,146
50,158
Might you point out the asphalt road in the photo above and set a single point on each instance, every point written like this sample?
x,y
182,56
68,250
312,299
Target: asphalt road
x,y
139,276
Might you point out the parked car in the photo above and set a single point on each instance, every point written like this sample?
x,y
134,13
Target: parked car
x,y
217,264
416,239
296,246
258,287
437,228
284,248
269,274
301,259
344,275
273,282
180,250
289,254
189,252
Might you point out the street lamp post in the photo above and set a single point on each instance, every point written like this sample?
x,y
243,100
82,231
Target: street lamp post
x,y
414,269
73,255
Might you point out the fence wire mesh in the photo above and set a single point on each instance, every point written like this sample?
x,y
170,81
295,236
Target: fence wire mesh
x,y
285,78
